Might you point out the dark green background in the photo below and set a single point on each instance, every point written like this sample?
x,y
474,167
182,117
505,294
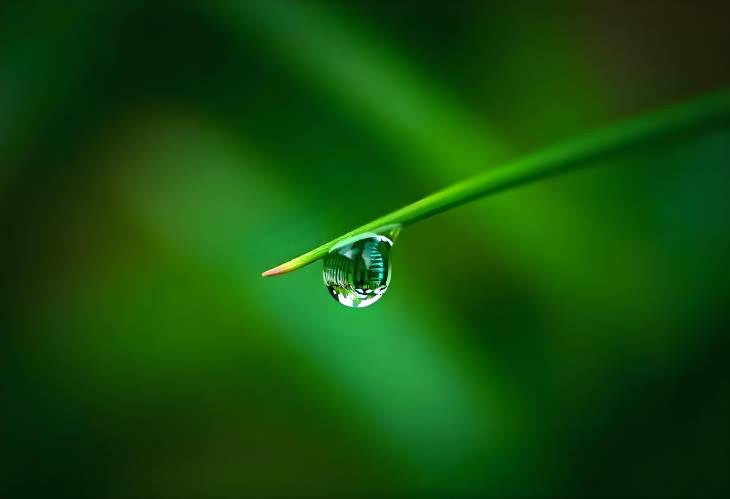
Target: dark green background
x,y
568,338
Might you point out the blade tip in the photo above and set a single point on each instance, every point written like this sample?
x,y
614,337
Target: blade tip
x,y
281,269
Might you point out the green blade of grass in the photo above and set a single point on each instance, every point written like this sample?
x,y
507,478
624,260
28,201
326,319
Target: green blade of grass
x,y
701,112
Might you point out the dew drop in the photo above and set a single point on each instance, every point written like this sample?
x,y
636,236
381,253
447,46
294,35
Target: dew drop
x,y
357,271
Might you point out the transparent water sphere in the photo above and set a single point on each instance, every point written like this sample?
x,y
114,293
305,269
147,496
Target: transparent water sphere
x,y
357,271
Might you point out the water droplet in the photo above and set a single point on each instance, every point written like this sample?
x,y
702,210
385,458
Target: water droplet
x,y
357,271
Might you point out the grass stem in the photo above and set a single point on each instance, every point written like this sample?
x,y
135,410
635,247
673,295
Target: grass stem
x,y
706,111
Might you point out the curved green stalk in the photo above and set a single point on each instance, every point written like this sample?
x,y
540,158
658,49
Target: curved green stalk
x,y
705,111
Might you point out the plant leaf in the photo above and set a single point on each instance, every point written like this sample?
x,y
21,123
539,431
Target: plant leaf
x,y
702,112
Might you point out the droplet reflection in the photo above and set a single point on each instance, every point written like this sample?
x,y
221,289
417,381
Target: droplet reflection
x,y
357,272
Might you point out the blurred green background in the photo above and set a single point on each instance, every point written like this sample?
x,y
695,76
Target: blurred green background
x,y
569,338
